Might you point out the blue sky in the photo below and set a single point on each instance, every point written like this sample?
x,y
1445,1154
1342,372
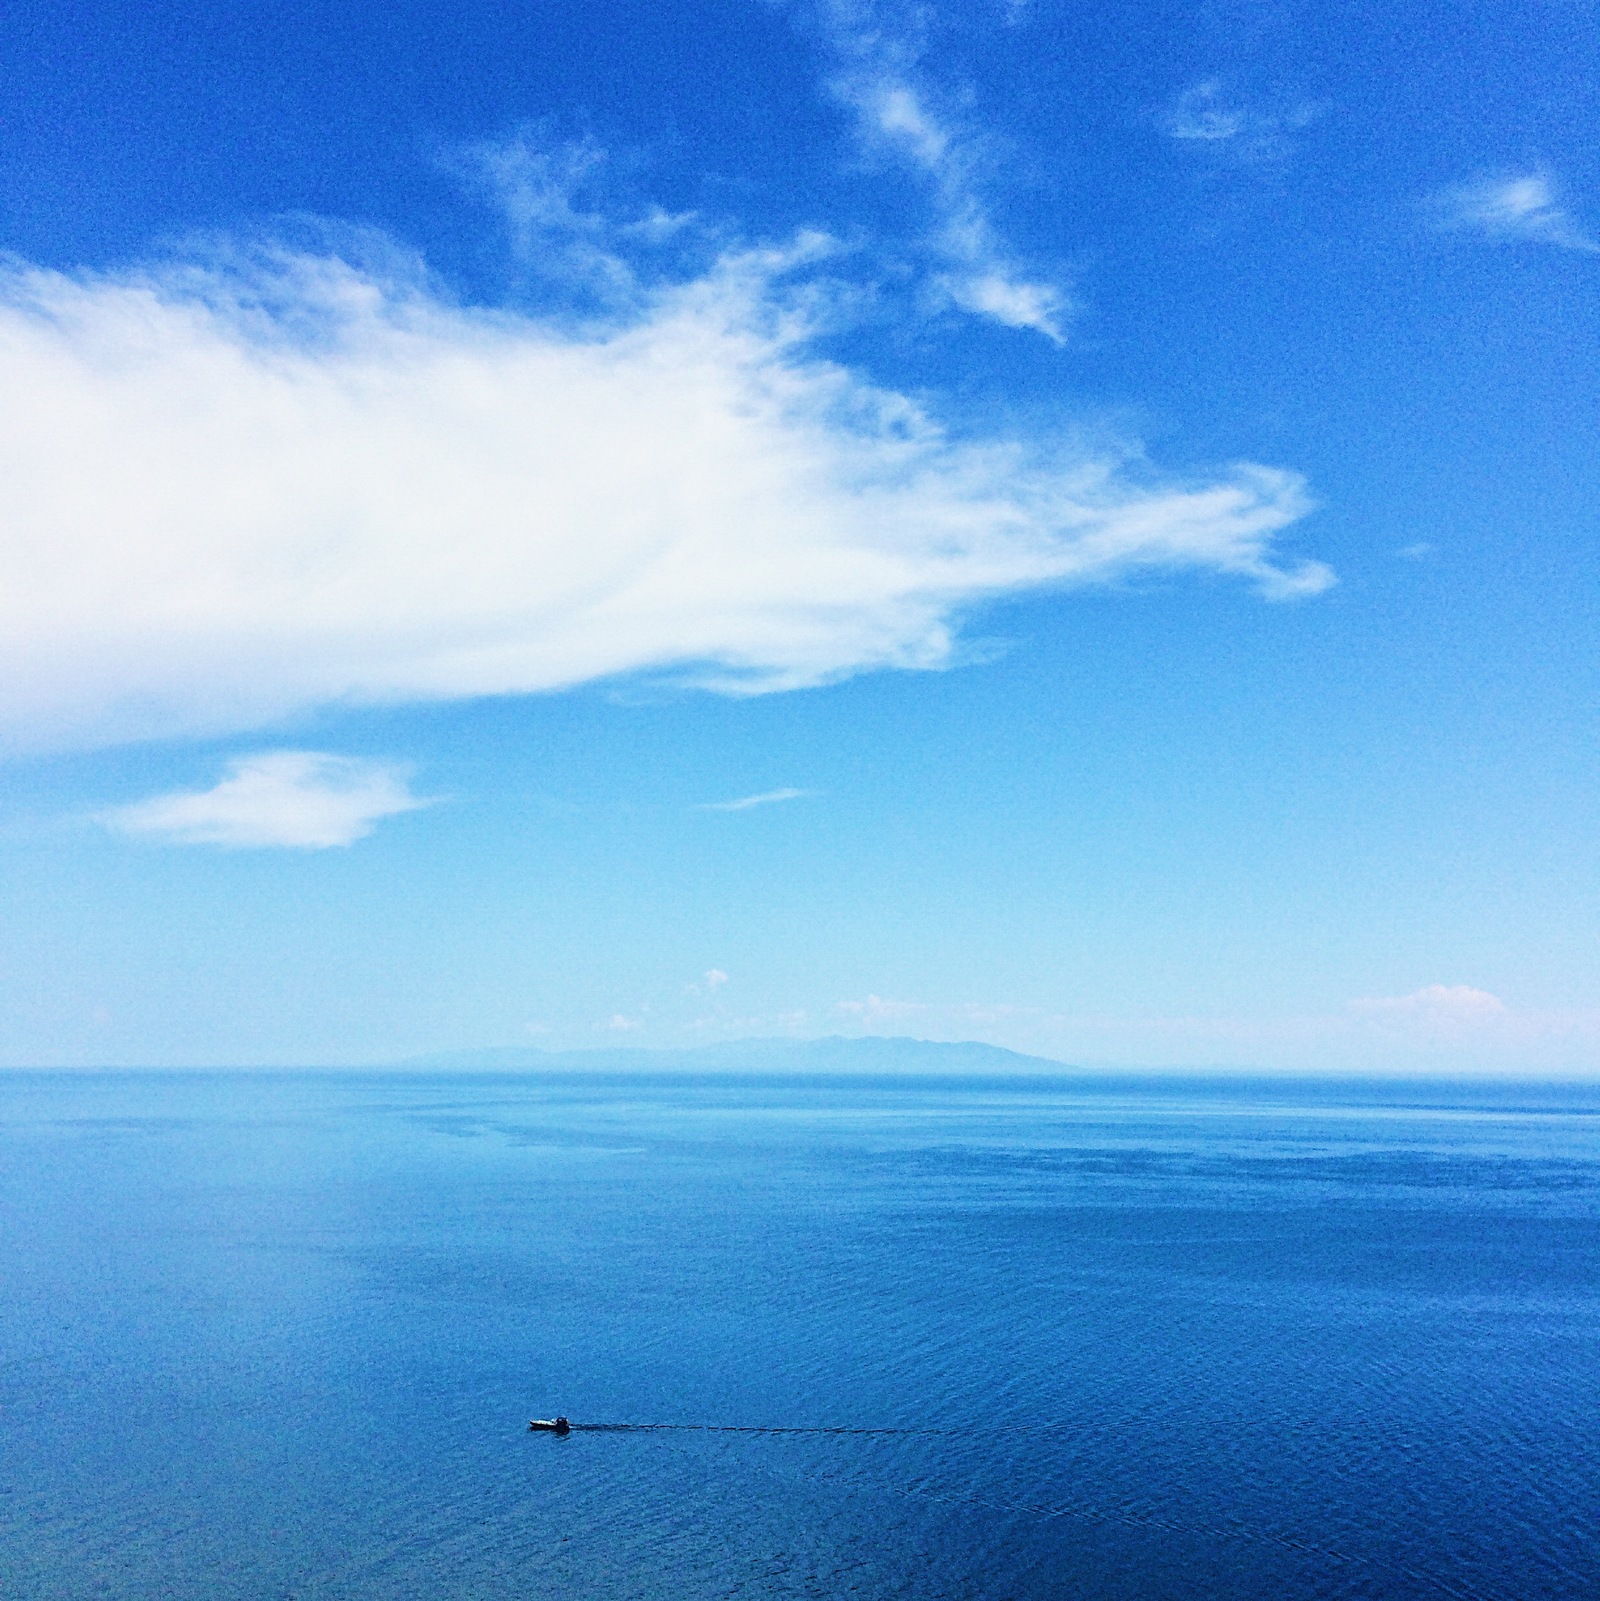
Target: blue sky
x,y
553,525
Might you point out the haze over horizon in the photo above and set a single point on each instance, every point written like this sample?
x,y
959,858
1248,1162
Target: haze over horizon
x,y
1066,529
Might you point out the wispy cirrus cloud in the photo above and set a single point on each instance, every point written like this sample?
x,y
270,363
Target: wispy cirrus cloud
x,y
977,272
259,480
579,252
304,800
880,80
746,802
1209,116
1520,206
1202,114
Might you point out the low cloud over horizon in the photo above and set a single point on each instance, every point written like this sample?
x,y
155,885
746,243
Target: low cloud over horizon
x,y
1439,1028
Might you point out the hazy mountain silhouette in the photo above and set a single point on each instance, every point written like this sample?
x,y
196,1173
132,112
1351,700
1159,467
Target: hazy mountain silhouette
x,y
835,1054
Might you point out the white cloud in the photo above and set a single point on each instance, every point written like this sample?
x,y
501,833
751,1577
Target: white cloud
x,y
1017,305
978,274
875,1010
1202,113
1519,207
895,110
1209,117
961,1017
535,186
745,802
297,798
233,490
715,978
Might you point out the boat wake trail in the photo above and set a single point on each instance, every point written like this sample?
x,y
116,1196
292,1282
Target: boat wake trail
x,y
1082,1511
744,1428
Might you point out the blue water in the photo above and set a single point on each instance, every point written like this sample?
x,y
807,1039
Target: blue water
x,y
273,1336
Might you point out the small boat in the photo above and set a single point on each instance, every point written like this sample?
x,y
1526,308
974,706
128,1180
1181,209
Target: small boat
x,y
551,1425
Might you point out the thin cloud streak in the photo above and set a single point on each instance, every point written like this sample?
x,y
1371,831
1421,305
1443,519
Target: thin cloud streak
x,y
746,802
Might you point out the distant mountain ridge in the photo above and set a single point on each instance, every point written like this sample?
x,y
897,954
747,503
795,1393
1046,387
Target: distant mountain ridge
x,y
835,1054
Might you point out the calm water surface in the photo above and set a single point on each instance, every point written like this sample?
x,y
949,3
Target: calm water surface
x,y
273,1336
